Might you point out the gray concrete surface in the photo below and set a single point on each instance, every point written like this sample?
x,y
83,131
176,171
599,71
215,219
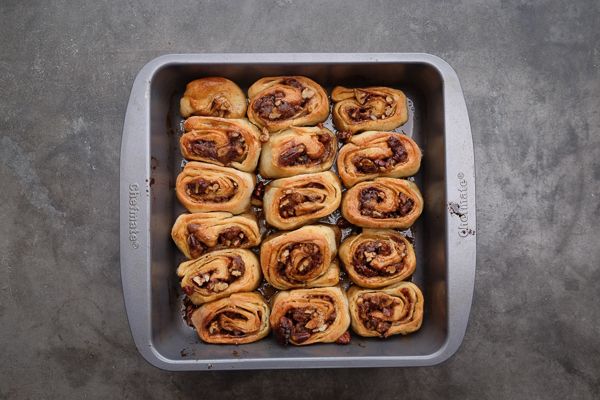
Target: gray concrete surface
x,y
530,75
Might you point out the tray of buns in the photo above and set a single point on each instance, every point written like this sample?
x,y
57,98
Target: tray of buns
x,y
297,211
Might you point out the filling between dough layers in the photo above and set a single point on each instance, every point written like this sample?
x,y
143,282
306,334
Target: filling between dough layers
x,y
373,107
219,191
298,262
302,201
377,203
379,311
367,165
300,323
218,279
230,237
282,104
307,152
225,151
380,258
236,324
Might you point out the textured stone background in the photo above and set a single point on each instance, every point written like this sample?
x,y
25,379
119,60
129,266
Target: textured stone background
x,y
530,75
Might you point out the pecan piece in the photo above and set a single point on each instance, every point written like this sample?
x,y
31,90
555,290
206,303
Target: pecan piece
x,y
264,137
344,339
284,330
325,139
259,191
300,337
291,155
400,154
343,223
344,135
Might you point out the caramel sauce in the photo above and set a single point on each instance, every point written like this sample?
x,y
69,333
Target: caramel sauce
x,y
345,281
267,290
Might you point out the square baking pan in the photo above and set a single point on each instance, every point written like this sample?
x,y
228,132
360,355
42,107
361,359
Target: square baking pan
x,y
444,236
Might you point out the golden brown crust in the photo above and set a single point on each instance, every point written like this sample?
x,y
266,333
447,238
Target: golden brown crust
x,y
225,142
195,234
279,102
303,258
383,203
378,154
377,258
368,109
218,274
203,187
321,315
300,200
298,150
237,319
213,97
396,309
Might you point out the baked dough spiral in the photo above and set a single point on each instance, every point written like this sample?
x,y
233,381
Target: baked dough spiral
x,y
396,309
203,187
305,316
218,274
301,258
279,102
383,203
237,319
300,200
368,109
377,258
213,97
298,150
371,154
195,234
225,142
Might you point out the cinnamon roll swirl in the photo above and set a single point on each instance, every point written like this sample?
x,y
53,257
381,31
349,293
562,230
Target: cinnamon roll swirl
x,y
203,187
306,316
301,200
301,258
225,142
371,154
298,151
237,319
377,258
383,203
213,97
396,309
195,234
279,102
218,274
369,109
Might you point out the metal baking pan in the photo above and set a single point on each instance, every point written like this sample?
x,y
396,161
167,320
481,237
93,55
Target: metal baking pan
x,y
444,235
